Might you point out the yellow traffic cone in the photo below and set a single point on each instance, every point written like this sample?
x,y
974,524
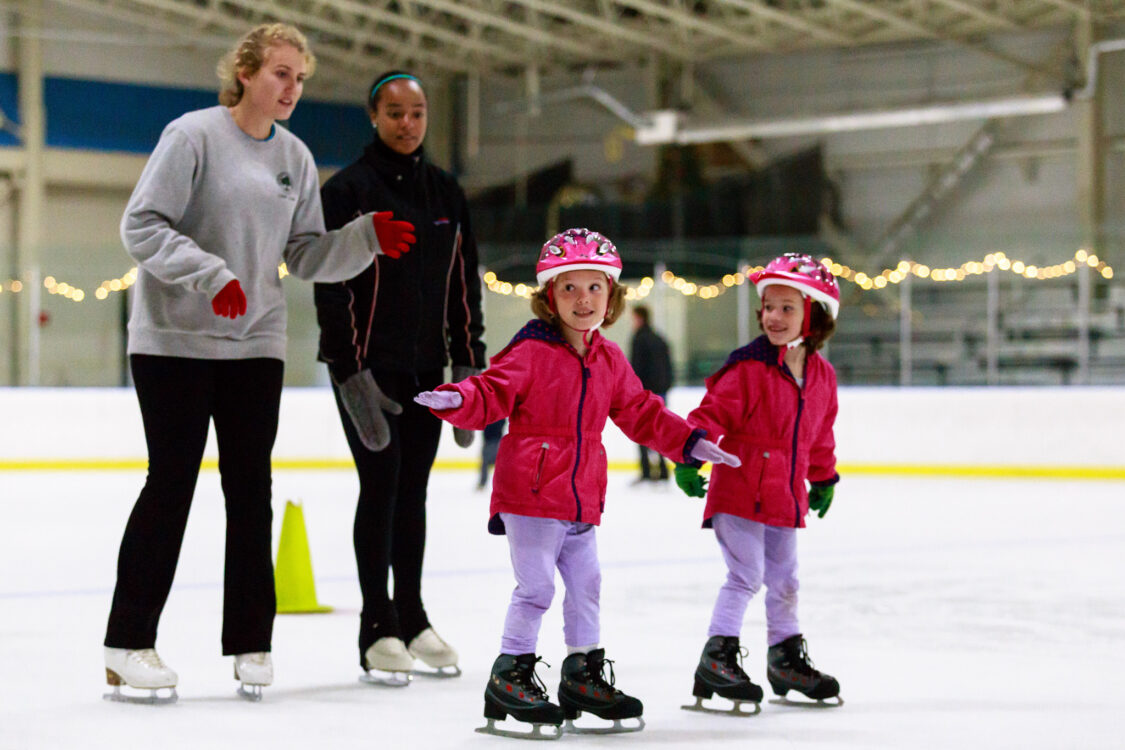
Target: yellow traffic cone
x,y
293,574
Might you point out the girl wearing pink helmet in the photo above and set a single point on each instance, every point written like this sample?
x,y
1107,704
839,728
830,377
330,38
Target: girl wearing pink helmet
x,y
774,405
557,382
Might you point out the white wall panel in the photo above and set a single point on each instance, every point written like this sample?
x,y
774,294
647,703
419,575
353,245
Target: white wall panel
x,y
916,427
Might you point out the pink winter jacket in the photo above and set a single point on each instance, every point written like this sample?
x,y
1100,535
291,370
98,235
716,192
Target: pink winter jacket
x,y
782,433
551,464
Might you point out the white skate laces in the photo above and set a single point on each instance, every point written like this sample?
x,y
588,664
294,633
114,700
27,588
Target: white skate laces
x,y
140,669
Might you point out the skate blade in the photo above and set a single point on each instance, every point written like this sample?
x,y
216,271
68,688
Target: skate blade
x,y
154,698
386,679
252,693
823,703
735,710
537,731
616,728
439,673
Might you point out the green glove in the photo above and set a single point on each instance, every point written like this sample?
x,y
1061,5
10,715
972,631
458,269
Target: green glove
x,y
688,480
820,497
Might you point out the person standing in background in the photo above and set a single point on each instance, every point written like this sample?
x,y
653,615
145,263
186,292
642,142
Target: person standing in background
x,y
652,362
490,446
386,336
226,196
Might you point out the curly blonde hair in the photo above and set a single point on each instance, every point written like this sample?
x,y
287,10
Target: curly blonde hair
x,y
541,306
249,55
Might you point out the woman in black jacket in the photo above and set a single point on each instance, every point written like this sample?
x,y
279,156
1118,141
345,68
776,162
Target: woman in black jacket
x,y
386,336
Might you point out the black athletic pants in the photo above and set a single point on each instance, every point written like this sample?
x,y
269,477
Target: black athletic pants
x,y
390,517
179,398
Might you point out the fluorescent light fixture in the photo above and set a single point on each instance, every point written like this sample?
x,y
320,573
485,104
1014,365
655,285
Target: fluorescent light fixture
x,y
657,129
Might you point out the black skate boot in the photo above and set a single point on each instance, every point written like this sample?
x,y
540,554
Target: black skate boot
x,y
790,668
584,688
514,689
720,671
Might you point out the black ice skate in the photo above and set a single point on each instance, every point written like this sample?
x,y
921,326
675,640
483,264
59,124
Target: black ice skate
x,y
791,669
514,689
584,688
720,671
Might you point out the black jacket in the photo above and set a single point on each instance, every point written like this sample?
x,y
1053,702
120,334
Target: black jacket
x,y
414,313
651,361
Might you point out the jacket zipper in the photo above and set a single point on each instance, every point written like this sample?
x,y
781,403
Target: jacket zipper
x,y
793,453
539,467
578,445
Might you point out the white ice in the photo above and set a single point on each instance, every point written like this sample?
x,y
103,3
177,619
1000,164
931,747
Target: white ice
x,y
955,613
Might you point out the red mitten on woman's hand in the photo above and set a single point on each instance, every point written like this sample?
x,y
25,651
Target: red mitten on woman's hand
x,y
230,302
395,237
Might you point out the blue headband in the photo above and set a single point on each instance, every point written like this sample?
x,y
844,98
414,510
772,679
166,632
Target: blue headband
x,y
407,76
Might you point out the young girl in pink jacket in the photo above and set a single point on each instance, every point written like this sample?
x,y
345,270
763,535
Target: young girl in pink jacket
x,y
557,382
774,404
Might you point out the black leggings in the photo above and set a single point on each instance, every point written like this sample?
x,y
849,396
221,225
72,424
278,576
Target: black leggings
x,y
178,399
390,517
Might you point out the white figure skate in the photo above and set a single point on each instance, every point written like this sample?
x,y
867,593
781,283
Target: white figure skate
x,y
254,671
434,653
387,662
139,669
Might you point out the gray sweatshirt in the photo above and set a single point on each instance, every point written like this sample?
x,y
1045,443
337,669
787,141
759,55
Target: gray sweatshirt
x,y
213,205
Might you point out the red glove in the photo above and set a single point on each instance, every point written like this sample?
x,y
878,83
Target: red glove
x,y
230,302
395,237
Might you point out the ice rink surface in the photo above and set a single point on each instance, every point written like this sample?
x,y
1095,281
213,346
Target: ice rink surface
x,y
955,613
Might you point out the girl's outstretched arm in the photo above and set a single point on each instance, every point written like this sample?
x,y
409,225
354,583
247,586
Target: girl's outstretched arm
x,y
480,400
439,400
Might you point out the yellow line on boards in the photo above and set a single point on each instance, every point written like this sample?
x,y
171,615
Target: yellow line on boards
x,y
974,471
957,471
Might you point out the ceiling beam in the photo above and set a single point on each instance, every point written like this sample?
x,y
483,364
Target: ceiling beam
x,y
604,25
503,22
415,26
1075,7
974,9
791,20
692,22
916,29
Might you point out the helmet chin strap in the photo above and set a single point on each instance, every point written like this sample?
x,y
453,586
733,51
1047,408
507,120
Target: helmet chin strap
x,y
806,325
589,332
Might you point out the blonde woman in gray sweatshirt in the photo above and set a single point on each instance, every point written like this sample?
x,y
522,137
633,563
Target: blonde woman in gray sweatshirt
x,y
226,197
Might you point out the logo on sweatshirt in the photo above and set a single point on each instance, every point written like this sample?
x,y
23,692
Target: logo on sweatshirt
x,y
285,183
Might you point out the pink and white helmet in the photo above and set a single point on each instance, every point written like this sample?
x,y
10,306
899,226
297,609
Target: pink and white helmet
x,y
803,273
577,250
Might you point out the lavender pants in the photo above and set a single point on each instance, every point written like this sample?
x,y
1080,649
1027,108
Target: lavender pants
x,y
755,554
538,546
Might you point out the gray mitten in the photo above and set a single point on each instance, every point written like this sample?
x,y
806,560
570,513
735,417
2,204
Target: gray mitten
x,y
365,404
463,438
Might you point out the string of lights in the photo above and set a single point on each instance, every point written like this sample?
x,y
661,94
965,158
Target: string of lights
x,y
888,276
997,261
104,290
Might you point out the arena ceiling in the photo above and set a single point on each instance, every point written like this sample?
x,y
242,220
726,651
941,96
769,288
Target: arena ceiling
x,y
509,37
